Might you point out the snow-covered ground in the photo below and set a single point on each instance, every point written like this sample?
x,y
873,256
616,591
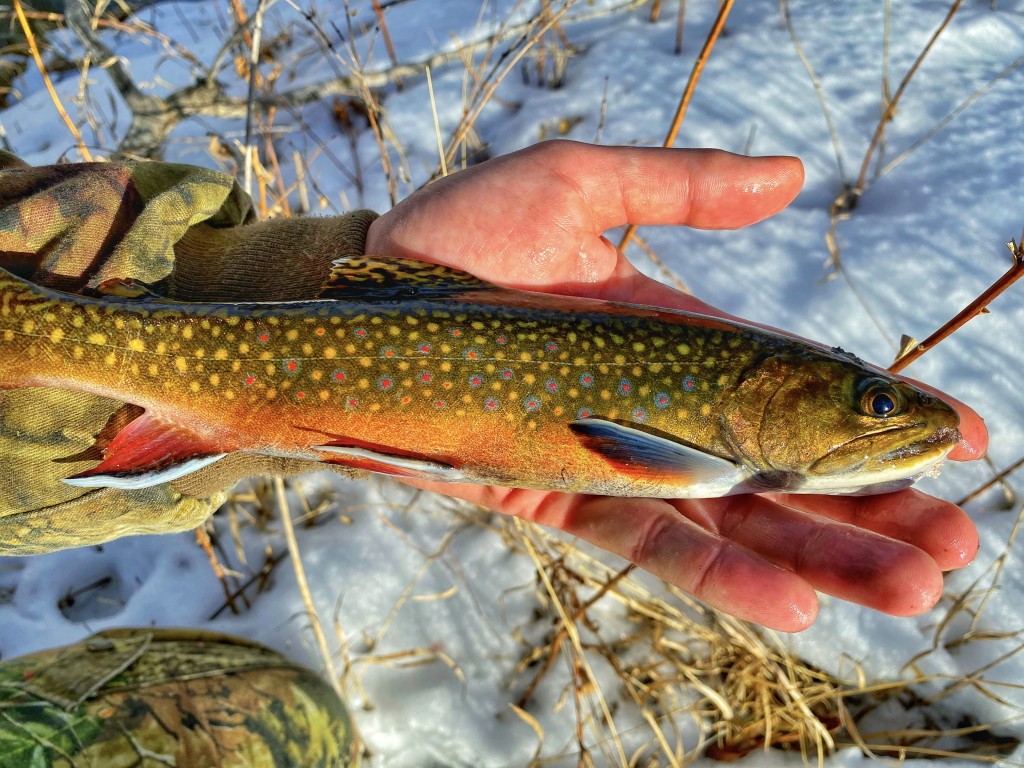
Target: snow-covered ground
x,y
926,238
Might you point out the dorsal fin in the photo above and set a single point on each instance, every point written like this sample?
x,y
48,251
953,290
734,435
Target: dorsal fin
x,y
366,278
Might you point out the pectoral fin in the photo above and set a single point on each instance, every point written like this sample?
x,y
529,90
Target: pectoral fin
x,y
374,460
643,455
148,451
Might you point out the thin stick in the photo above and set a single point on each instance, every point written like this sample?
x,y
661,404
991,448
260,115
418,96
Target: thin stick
x,y
973,309
437,125
204,542
300,577
691,85
46,79
982,488
254,60
387,39
887,116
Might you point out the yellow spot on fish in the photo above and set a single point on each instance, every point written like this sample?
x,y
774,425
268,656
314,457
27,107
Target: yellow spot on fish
x,y
153,369
77,352
56,335
292,334
181,364
705,410
200,352
307,349
529,378
214,379
119,323
137,345
525,357
228,394
205,323
365,362
271,394
364,383
161,348
605,394
330,353
683,349
97,338
194,386
109,360
186,332
316,375
78,321
28,326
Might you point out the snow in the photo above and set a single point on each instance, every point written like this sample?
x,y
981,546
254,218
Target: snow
x,y
925,239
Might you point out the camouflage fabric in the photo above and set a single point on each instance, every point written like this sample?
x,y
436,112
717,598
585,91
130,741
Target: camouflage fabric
x,y
181,231
149,697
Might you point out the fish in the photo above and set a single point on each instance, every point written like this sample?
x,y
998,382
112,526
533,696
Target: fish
x,y
416,370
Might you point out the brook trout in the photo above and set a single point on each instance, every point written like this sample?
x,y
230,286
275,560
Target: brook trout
x,y
416,370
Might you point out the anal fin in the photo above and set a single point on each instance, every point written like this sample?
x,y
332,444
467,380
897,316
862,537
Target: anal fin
x,y
148,451
375,460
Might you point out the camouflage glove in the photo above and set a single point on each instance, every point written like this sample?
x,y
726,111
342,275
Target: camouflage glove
x,y
154,697
184,232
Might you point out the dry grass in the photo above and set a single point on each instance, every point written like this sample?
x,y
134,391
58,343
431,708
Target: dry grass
x,y
700,682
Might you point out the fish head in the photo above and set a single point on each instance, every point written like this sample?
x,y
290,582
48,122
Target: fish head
x,y
828,423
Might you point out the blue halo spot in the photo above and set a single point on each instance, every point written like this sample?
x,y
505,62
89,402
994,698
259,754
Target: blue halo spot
x,y
291,366
490,404
551,347
662,400
640,415
501,338
583,413
360,333
689,383
507,374
625,387
476,380
587,379
532,404
551,385
385,383
471,354
388,352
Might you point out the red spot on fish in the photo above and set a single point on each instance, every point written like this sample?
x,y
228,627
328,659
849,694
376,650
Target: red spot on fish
x,y
587,379
472,354
291,366
532,404
439,404
491,404
689,383
426,377
388,352
502,339
507,374
475,381
339,375
360,332
250,380
551,346
640,415
551,385
300,395
583,414
385,383
661,400
320,331
456,332
425,349
625,387
447,385
263,337
406,400
352,403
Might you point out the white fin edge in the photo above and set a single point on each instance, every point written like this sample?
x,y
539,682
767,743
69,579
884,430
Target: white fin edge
x,y
143,479
432,470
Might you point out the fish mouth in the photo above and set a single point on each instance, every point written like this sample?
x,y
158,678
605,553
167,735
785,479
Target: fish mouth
x,y
927,450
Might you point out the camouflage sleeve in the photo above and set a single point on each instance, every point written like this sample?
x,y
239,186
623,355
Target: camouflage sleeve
x,y
183,231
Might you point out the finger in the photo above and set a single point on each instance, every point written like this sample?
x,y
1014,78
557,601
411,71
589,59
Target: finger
x,y
650,533
706,189
835,557
940,528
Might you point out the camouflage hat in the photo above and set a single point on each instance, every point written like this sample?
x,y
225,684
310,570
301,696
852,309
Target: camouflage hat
x,y
157,697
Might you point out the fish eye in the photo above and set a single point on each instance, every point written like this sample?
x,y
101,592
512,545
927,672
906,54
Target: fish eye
x,y
882,404
880,400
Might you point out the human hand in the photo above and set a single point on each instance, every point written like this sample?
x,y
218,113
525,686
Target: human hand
x,y
534,220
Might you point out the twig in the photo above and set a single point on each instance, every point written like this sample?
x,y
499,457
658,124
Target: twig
x,y
887,115
30,38
254,61
973,309
387,39
985,486
300,577
204,542
437,125
691,85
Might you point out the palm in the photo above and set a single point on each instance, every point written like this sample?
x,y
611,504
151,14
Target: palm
x,y
534,220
